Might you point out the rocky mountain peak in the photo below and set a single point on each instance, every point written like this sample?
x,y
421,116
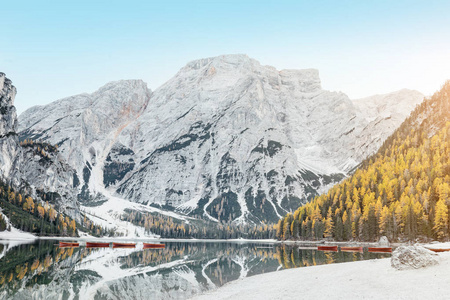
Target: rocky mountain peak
x,y
8,116
388,105
114,86
241,65
222,61
6,87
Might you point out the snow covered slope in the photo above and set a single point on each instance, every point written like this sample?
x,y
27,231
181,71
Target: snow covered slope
x,y
12,233
226,138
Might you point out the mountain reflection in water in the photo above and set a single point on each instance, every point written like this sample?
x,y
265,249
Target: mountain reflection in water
x,y
42,270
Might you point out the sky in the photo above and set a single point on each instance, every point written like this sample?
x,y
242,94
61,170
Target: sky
x,y
55,49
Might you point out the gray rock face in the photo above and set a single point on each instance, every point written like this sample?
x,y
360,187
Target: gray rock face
x,y
413,257
40,171
8,124
226,138
47,174
8,121
86,129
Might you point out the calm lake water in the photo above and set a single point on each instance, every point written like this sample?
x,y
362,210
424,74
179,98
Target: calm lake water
x,y
42,270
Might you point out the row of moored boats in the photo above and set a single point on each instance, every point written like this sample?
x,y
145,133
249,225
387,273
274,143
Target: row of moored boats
x,y
370,249
108,245
355,249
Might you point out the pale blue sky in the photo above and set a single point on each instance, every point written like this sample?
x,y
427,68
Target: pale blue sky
x,y
54,49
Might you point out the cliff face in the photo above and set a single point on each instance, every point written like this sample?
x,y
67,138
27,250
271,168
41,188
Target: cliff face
x,y
8,125
37,168
226,138
86,128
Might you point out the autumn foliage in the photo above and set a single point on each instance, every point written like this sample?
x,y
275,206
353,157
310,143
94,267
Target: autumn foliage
x,y
402,192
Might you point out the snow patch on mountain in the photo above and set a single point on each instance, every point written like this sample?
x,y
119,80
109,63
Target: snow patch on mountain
x,y
12,233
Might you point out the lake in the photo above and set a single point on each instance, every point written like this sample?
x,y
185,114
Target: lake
x,y
42,270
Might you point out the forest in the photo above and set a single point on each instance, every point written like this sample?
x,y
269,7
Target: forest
x,y
401,192
168,227
32,216
39,217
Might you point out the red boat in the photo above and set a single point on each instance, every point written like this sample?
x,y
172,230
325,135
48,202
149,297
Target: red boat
x,y
327,248
150,246
123,245
352,249
68,244
438,250
380,249
97,245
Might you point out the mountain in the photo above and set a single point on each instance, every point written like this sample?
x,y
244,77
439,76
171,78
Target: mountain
x,y
400,192
225,139
37,168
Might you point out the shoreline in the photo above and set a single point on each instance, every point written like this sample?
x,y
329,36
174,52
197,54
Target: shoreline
x,y
28,236
18,236
369,279
139,239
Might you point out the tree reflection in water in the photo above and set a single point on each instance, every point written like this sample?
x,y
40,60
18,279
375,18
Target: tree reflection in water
x,y
182,269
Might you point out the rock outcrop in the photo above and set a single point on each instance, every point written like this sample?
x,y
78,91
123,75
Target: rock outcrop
x,y
8,125
413,257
